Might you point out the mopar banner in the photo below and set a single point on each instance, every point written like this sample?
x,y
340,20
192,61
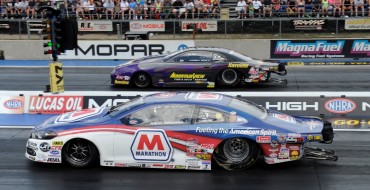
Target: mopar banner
x,y
308,24
357,24
95,26
313,49
125,49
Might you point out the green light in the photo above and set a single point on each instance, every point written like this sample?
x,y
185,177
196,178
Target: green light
x,y
58,45
50,44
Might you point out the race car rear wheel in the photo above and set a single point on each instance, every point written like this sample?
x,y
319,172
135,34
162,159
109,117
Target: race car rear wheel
x,y
236,153
80,153
228,77
141,80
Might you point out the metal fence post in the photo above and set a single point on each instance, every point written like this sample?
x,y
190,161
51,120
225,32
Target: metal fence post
x,y
20,29
174,29
225,27
28,30
119,33
336,28
280,28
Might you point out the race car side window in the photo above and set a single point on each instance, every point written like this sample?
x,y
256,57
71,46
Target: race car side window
x,y
218,58
193,56
210,115
158,115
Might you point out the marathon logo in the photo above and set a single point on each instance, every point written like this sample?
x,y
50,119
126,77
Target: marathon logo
x,y
151,145
361,47
317,47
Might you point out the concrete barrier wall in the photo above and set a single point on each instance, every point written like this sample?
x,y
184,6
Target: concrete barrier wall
x,y
23,50
33,49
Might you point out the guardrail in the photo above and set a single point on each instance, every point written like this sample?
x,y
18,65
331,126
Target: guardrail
x,y
269,27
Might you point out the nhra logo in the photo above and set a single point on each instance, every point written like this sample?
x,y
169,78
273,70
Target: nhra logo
x,y
340,105
13,104
151,145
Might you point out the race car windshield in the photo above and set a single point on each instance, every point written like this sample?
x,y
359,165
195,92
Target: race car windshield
x,y
249,107
115,110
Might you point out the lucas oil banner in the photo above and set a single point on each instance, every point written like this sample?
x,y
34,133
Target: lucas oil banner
x,y
319,49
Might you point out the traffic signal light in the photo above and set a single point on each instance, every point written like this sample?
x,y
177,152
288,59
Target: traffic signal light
x,y
47,31
65,34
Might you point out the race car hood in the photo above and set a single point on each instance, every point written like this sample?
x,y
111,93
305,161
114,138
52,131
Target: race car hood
x,y
75,118
302,125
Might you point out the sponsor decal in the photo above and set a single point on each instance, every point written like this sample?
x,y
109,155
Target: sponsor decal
x,y
273,155
53,160
294,155
203,96
182,46
361,47
192,76
121,82
108,162
32,158
236,131
32,145
155,26
284,152
41,157
131,49
237,65
54,152
55,104
78,115
204,25
263,139
308,24
294,147
274,144
151,145
165,95
44,147
11,104
59,148
57,143
119,165
95,26
123,77
281,138
179,167
357,24
340,105
284,117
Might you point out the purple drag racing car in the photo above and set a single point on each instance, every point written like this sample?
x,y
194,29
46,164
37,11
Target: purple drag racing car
x,y
197,67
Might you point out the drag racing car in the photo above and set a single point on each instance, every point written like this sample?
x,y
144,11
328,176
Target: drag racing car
x,y
197,67
178,130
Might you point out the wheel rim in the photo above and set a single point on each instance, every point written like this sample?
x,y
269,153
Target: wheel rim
x,y
236,149
79,151
229,76
142,80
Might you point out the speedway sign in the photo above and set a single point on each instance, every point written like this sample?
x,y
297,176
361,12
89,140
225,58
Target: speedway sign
x,y
143,26
204,25
95,26
124,49
357,24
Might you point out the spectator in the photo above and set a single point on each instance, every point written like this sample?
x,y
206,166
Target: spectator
x,y
177,5
291,8
316,8
250,10
300,5
17,8
167,8
99,8
188,7
347,5
150,8
215,8
109,8
124,6
207,8
158,9
116,9
23,7
309,8
337,7
132,10
31,9
198,4
359,4
91,8
240,9
140,8
80,11
85,5
276,7
267,6
257,5
324,8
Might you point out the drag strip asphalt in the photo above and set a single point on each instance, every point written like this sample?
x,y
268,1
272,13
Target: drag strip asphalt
x,y
351,171
304,78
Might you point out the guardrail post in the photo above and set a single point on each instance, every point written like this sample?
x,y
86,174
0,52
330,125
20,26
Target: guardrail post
x,y
225,27
174,29
280,28
119,33
336,28
28,30
20,29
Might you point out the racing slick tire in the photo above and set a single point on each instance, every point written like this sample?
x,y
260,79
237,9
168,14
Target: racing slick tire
x,y
141,80
80,153
236,153
228,77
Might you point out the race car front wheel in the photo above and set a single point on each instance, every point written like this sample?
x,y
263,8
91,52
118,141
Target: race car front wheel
x,y
228,77
141,80
236,153
80,153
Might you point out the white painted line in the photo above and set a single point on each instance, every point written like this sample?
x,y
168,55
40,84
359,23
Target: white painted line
x,y
73,67
353,130
16,127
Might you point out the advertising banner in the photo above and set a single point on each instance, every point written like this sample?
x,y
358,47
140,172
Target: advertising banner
x,y
313,49
11,104
127,49
95,26
357,24
54,104
204,25
143,26
308,24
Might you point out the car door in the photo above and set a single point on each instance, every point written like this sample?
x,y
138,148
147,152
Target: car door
x,y
154,136
191,68
209,127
